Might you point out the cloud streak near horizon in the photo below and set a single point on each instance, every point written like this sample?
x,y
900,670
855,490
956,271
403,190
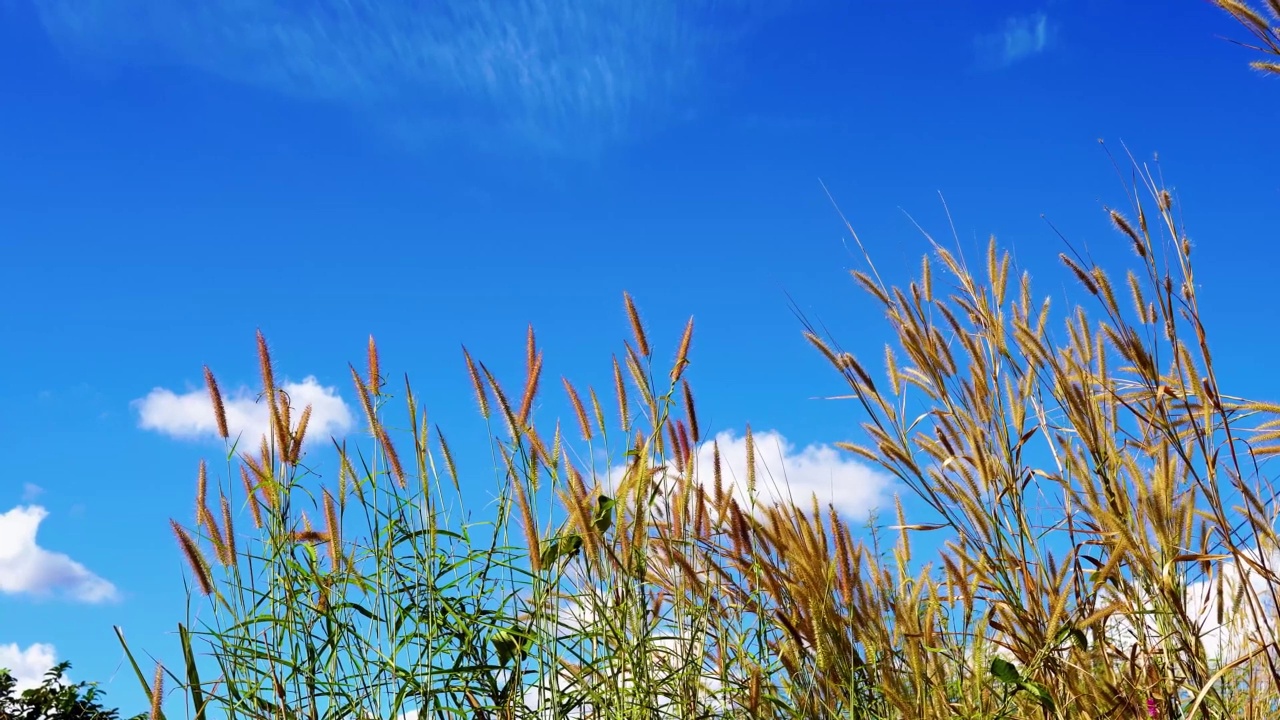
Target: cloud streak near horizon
x,y
540,71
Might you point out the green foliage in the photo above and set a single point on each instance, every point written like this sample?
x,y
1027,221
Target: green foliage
x,y
54,699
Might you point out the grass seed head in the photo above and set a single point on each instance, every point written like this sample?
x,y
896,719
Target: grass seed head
x,y
219,409
637,327
195,560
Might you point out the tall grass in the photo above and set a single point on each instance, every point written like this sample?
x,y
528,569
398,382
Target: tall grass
x,y
1111,544
1109,536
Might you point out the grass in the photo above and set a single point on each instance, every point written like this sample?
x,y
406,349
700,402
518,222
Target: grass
x,y
1110,542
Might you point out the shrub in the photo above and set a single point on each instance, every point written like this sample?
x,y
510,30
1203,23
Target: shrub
x,y
53,699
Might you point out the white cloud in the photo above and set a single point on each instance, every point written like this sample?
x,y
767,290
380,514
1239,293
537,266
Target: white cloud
x,y
31,491
1240,631
28,667
589,610
190,415
785,473
25,567
1021,38
559,73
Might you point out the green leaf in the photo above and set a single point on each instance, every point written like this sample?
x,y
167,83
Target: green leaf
x,y
1072,633
510,645
142,679
1040,693
198,700
1005,671
1082,641
564,546
506,647
604,513
358,608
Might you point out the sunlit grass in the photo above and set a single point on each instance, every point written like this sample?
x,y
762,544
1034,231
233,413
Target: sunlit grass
x,y
1110,542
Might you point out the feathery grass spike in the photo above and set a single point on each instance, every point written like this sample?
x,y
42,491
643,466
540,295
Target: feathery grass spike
x,y
637,327
219,409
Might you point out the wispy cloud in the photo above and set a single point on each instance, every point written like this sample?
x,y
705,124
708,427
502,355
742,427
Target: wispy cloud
x,y
28,666
1020,38
25,567
190,415
555,73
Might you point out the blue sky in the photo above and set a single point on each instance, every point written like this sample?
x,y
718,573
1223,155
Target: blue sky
x,y
175,175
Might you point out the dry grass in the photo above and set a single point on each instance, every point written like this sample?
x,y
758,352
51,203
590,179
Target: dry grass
x,y
1257,23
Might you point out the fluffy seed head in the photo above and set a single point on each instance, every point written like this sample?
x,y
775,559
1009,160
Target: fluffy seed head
x,y
219,409
637,327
